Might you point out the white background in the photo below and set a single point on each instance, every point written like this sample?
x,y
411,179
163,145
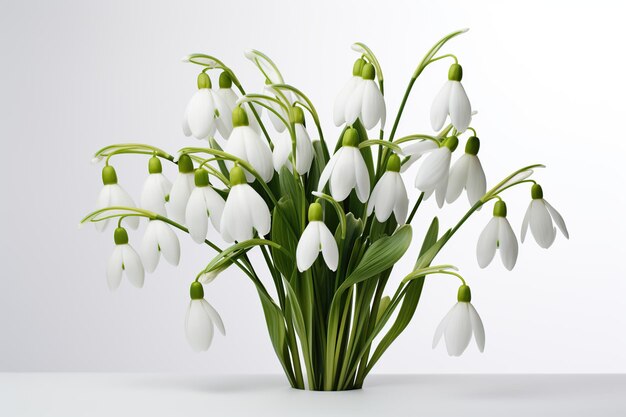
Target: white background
x,y
547,79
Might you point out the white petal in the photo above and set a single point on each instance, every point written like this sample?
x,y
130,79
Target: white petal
x,y
343,178
132,266
201,114
402,200
339,110
541,224
442,327
385,198
104,200
224,122
362,177
458,178
114,268
258,153
487,243
328,170
507,243
308,246
525,221
229,97
150,247
198,326
477,327
196,216
373,105
168,243
214,316
440,190
476,181
181,190
460,108
236,216
152,194
558,219
304,151
330,251
214,204
439,108
282,150
434,168
458,330
416,151
259,212
119,197
355,103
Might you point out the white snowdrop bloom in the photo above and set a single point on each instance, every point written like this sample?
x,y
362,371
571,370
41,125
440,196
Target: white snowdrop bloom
x,y
366,101
244,211
433,174
459,324
181,190
159,239
206,112
204,204
286,98
452,100
498,234
416,150
283,146
201,319
156,188
339,111
245,143
229,97
113,195
389,194
467,173
124,260
540,215
347,170
316,238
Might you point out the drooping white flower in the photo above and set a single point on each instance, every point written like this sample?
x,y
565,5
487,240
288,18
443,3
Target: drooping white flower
x,y
459,324
229,97
366,101
347,170
181,190
452,100
159,239
467,173
283,146
204,204
113,195
244,212
201,319
341,102
245,143
433,174
416,150
124,259
206,112
316,238
389,194
498,234
540,215
156,188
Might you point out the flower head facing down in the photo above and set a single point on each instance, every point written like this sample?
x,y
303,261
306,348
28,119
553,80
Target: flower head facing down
x,y
467,173
206,112
316,238
498,234
229,97
366,102
124,260
346,170
389,194
341,102
182,188
201,319
459,324
156,188
159,239
540,215
452,100
113,195
283,147
204,204
245,211
433,174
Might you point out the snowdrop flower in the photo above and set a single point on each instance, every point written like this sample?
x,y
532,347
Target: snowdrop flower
x,y
181,190
467,173
124,260
539,216
159,239
200,320
416,150
156,188
459,324
111,195
498,234
433,175
204,204
366,101
452,100
389,194
304,148
245,143
206,112
245,210
286,99
347,170
229,97
339,112
316,238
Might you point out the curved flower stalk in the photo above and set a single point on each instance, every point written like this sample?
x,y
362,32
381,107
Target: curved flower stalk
x,y
283,146
206,112
540,215
452,100
112,194
201,320
228,96
498,234
316,238
204,204
389,194
124,260
156,188
182,188
467,173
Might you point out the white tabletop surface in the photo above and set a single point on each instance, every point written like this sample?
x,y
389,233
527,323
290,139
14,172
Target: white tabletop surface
x,y
154,395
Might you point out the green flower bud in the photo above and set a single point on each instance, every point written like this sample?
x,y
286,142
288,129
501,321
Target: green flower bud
x,y
120,236
451,143
315,212
297,115
185,164
499,209
472,146
455,73
108,175
368,72
358,67
350,137
201,177
203,80
154,165
196,291
225,80
240,117
464,295
237,176
393,164
536,192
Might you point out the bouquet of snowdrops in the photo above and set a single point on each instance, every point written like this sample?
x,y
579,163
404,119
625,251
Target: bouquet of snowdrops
x,y
330,224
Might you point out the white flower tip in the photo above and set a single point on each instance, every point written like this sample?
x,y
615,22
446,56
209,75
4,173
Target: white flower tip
x,y
185,59
249,53
96,159
357,48
464,30
317,193
474,113
79,225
